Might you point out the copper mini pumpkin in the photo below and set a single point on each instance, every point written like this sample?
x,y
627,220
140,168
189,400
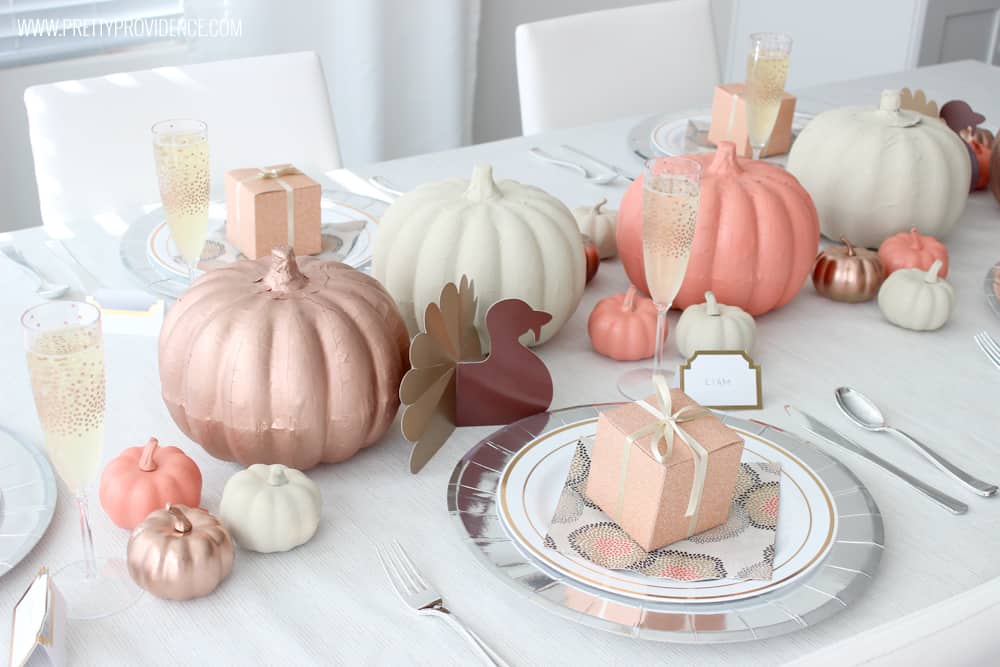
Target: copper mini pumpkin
x,y
591,252
179,553
849,274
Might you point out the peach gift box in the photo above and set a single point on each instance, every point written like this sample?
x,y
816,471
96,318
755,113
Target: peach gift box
x,y
655,495
270,207
729,121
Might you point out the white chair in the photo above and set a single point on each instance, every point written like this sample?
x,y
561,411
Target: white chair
x,y
591,67
92,144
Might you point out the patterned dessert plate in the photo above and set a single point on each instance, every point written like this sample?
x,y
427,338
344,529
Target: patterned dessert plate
x,y
533,480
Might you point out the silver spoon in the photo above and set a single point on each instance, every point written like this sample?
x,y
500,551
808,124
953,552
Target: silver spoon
x,y
46,289
860,410
597,179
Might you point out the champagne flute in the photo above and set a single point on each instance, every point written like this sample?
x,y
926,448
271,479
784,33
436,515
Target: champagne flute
x,y
180,148
65,352
670,191
767,69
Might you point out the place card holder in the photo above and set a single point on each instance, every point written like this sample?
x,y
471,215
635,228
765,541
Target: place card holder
x,y
39,625
723,380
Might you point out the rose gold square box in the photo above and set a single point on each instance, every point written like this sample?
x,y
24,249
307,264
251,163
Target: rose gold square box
x,y
265,212
729,121
652,496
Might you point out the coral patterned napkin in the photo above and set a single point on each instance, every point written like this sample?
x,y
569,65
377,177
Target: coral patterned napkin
x,y
741,548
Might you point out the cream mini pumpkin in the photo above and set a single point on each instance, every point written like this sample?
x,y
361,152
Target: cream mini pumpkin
x,y
876,172
511,240
599,224
270,508
714,326
917,300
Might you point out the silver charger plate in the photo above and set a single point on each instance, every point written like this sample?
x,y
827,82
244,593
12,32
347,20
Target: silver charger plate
x,y
348,225
989,291
830,586
27,499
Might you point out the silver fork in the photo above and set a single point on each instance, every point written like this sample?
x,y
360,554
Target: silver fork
x,y
599,162
417,595
988,345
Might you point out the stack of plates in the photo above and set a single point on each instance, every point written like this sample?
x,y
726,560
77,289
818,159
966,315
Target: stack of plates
x,y
829,538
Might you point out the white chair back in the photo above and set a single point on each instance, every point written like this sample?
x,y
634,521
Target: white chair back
x,y
601,65
92,144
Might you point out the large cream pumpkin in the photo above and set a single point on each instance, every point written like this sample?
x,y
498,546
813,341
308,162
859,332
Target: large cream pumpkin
x,y
511,240
876,172
279,361
755,241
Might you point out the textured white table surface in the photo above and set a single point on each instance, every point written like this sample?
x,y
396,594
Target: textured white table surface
x,y
328,601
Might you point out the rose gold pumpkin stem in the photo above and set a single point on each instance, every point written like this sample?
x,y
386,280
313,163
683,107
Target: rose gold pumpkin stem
x,y
628,303
181,523
284,274
850,246
146,462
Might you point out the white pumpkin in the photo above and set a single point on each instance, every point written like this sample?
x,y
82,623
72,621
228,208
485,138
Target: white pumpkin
x,y
599,225
270,508
511,240
916,299
714,326
873,173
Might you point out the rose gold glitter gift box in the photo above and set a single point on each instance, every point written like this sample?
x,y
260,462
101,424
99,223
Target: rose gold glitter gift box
x,y
729,121
649,499
272,206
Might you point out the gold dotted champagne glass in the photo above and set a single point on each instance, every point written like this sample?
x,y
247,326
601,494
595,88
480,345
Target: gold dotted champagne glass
x,y
671,189
65,352
767,70
180,147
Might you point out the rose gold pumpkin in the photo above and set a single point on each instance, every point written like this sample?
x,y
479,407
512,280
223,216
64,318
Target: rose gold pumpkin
x,y
180,552
849,274
995,168
278,361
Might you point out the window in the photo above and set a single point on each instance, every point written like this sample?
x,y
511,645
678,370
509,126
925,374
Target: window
x,y
39,30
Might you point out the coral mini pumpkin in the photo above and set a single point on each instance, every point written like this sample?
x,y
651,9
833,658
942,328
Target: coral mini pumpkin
x,y
276,361
623,326
912,250
755,241
142,479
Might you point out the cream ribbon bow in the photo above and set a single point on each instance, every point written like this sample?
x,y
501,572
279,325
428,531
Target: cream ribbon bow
x,y
278,174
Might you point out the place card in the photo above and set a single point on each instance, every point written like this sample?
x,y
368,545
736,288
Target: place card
x,y
37,633
722,379
128,312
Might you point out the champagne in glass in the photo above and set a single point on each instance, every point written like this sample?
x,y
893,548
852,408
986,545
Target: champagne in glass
x,y
180,148
767,70
671,189
65,353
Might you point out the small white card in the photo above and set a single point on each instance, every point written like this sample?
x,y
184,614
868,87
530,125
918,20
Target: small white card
x,y
722,379
38,631
128,312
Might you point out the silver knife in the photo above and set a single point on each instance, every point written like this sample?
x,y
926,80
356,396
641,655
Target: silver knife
x,y
607,165
821,430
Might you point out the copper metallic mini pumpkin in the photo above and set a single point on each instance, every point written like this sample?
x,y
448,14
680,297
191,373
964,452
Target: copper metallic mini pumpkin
x,y
846,273
591,252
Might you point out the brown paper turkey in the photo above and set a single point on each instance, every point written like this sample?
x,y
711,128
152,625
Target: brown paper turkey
x,y
283,361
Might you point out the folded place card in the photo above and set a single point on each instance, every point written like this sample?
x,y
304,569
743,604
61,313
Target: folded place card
x,y
128,312
723,380
38,631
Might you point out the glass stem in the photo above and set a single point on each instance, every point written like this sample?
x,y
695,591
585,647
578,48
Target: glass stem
x,y
88,539
661,329
756,151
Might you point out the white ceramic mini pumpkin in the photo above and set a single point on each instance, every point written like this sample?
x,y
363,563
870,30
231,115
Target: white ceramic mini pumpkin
x,y
873,173
916,299
511,240
714,326
270,508
599,224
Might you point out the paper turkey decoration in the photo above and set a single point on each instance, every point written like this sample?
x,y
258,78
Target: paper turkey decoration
x,y
450,384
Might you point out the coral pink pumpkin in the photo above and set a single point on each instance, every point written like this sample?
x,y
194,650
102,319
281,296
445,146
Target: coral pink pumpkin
x,y
142,479
623,326
756,238
283,361
912,250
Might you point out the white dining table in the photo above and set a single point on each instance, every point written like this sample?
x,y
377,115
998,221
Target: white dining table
x,y
328,602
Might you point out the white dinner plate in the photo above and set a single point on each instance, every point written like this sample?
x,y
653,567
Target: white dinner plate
x,y
27,499
533,480
676,137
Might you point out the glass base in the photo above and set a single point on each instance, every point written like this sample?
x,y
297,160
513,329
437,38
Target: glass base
x,y
637,383
89,597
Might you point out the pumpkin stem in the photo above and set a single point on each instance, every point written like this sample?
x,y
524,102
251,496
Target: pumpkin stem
x,y
482,186
284,274
891,100
181,523
914,239
850,246
932,273
711,305
276,475
725,159
146,462
597,207
628,303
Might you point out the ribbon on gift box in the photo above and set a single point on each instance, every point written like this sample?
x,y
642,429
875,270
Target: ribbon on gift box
x,y
276,174
668,424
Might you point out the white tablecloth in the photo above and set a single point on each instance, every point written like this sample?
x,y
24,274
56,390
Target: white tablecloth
x,y
328,602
